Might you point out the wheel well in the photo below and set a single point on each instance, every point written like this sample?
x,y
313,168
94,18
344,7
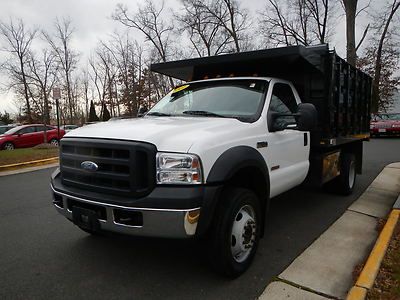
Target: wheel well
x,y
355,148
250,178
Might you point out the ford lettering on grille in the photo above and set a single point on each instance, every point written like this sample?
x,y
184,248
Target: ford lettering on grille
x,y
89,166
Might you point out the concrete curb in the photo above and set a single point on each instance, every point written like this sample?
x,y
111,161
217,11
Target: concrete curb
x,y
28,164
368,275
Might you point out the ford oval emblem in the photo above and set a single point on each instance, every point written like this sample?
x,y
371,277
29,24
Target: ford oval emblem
x,y
89,166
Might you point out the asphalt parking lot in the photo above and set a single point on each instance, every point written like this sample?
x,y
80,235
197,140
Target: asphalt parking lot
x,y
44,256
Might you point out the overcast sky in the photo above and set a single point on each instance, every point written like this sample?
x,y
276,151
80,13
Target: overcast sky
x,y
92,21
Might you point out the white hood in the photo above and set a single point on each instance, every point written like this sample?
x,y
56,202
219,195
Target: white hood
x,y
176,134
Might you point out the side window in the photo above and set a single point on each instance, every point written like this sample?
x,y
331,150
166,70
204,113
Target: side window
x,y
284,102
27,130
39,128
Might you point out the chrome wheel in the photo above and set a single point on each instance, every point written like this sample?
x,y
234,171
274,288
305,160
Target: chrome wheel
x,y
352,174
243,234
8,146
54,142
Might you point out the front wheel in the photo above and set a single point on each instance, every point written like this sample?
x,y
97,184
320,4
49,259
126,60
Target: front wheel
x,y
236,232
8,146
54,142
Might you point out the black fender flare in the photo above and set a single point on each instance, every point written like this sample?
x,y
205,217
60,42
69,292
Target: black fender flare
x,y
225,167
234,159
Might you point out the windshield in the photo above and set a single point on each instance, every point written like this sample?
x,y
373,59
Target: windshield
x,y
3,129
242,99
393,117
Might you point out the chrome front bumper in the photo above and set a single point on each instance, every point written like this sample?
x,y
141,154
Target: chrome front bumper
x,y
169,223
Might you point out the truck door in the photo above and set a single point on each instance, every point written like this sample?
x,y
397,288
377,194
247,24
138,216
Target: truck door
x,y
287,153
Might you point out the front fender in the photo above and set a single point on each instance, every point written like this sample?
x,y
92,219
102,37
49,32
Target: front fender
x,y
234,159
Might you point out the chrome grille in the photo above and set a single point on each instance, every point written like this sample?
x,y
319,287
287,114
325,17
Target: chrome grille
x,y
124,168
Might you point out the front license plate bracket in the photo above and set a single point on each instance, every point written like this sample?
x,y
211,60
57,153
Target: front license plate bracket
x,y
85,218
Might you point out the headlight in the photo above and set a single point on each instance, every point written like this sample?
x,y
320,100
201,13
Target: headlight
x,y
175,168
372,126
396,126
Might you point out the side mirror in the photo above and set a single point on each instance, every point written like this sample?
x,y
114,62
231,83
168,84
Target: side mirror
x,y
307,117
142,111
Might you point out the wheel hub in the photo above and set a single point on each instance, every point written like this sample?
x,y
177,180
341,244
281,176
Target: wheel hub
x,y
243,233
352,174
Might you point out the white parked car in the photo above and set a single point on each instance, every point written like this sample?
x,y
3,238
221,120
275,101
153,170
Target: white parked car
x,y
68,128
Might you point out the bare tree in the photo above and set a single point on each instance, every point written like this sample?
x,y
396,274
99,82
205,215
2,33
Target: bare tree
x,y
351,10
386,20
148,20
85,90
66,56
207,36
18,40
232,18
99,78
42,74
303,22
132,82
123,51
319,12
390,56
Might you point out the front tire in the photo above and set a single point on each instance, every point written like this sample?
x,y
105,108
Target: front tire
x,y
236,232
8,146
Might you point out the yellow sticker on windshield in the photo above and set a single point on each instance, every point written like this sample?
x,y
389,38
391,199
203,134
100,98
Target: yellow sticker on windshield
x,y
180,88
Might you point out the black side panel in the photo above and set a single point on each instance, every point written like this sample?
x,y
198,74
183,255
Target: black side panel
x,y
235,159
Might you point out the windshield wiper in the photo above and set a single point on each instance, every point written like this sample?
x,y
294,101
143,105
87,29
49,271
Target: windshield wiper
x,y
202,113
158,114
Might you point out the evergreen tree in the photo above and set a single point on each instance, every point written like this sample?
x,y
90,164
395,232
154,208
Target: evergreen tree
x,y
5,118
92,113
106,113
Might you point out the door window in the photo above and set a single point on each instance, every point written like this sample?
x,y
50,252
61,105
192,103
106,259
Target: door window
x,y
27,130
283,102
39,128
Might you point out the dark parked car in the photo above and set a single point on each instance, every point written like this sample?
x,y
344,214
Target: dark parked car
x,y
385,124
4,128
29,136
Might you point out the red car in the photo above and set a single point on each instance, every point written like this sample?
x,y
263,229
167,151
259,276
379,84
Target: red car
x,y
385,124
29,136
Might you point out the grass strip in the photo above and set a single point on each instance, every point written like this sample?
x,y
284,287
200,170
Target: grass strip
x,y
26,155
387,283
